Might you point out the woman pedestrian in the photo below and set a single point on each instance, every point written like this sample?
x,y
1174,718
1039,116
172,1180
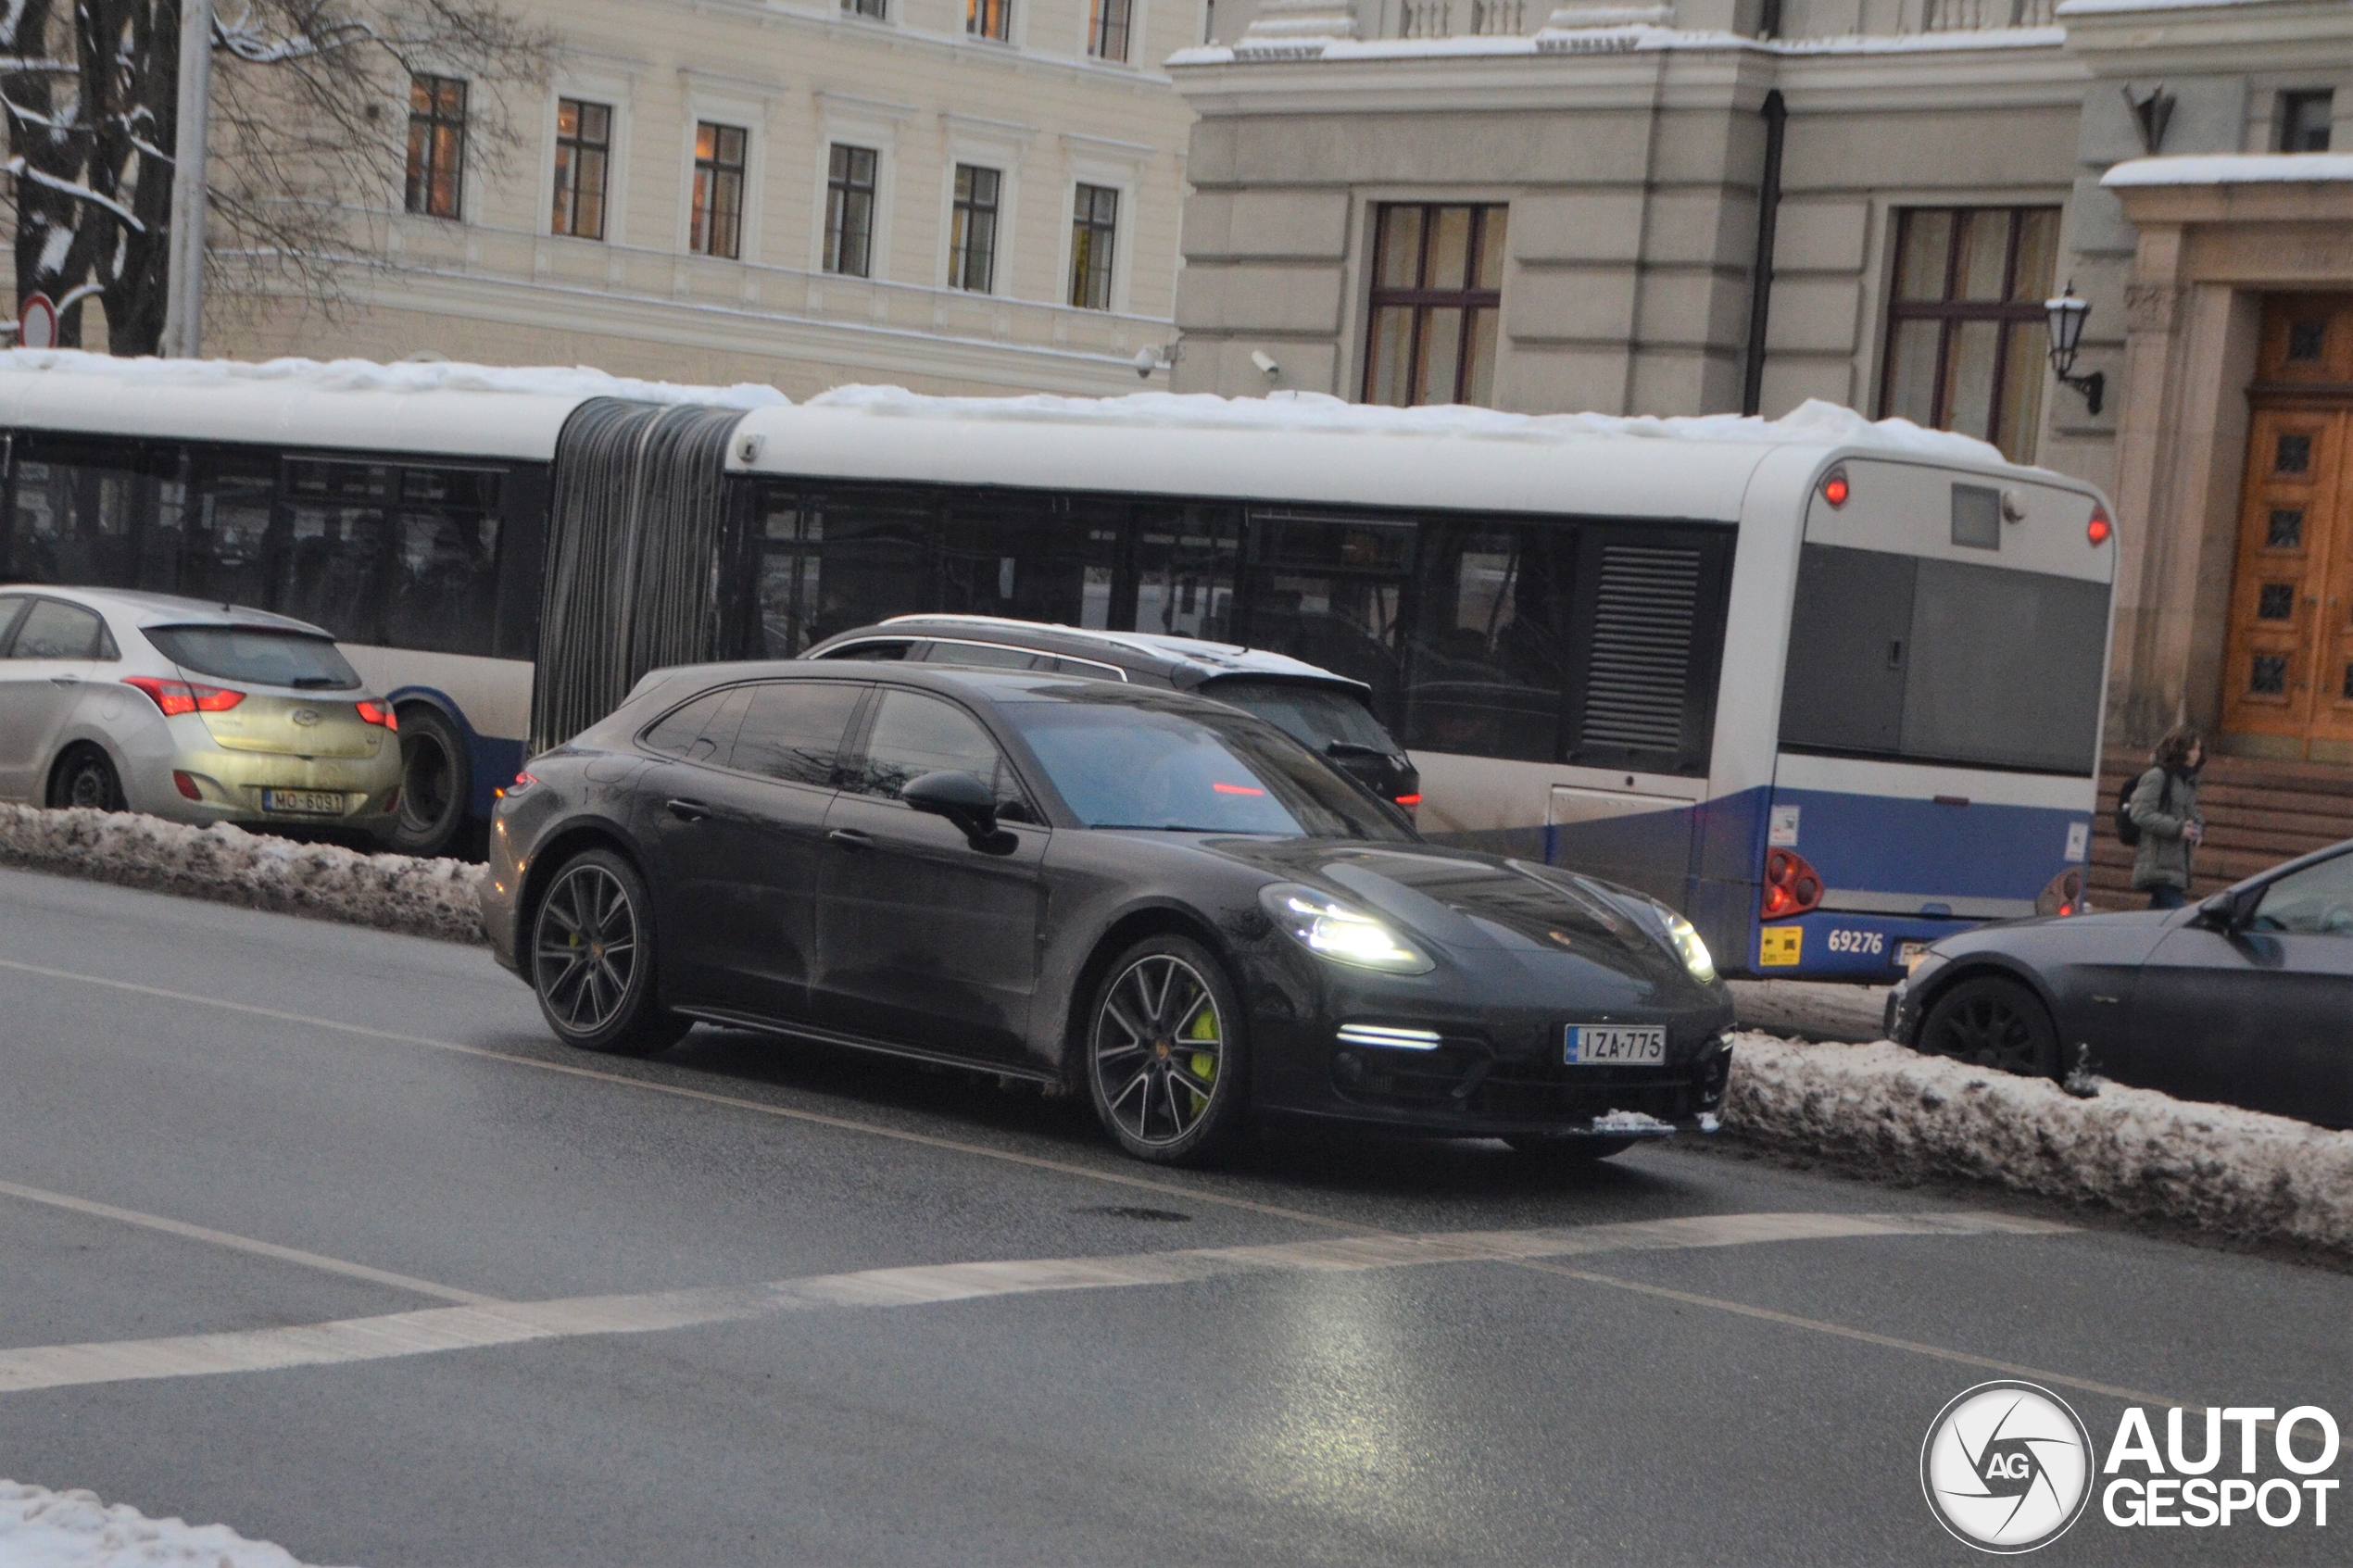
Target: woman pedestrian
x,y
2164,806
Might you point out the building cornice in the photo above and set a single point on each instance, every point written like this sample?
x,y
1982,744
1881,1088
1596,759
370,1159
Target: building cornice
x,y
2116,37
893,37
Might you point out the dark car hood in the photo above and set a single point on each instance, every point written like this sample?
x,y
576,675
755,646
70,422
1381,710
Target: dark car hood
x,y
1471,902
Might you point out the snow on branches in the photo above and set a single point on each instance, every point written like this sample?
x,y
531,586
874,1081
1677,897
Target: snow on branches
x,y
309,135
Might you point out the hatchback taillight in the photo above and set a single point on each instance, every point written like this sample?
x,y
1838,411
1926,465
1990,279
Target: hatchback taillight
x,y
1792,886
176,697
378,713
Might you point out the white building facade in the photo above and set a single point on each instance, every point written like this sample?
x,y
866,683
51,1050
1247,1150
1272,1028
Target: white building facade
x,y
956,196
1736,205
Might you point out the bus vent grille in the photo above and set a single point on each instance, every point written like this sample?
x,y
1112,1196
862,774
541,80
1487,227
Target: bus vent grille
x,y
1646,610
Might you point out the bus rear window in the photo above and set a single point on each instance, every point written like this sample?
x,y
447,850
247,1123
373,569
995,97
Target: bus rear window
x,y
1940,661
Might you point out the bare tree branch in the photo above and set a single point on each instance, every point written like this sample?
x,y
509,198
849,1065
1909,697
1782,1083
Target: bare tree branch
x,y
308,138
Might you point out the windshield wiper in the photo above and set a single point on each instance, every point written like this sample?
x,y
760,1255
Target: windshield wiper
x,y
1352,748
314,682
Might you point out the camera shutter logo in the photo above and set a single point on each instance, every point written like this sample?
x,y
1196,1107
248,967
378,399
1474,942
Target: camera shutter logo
x,y
2007,1467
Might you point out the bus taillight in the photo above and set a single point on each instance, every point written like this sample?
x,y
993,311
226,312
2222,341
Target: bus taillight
x,y
1792,886
2099,528
1834,487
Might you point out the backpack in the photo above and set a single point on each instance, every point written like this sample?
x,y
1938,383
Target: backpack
x,y
2128,832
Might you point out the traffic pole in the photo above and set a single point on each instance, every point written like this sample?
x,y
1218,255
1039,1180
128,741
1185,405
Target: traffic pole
x,y
183,289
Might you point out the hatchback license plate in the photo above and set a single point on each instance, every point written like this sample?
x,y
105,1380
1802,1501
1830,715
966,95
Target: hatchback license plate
x,y
1599,1043
311,802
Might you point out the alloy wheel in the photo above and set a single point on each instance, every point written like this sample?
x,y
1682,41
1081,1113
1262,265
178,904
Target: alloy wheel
x,y
1159,1043
585,950
1989,1032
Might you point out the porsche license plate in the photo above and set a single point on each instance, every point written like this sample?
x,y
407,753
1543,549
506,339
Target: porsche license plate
x,y
309,802
1602,1043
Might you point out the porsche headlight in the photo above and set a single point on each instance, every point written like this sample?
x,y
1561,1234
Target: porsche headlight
x,y
1685,935
1332,930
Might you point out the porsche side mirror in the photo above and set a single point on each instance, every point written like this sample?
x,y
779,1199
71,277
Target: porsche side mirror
x,y
2233,909
960,798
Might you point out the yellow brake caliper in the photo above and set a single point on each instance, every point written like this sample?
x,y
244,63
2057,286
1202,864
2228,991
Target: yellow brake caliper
x,y
1205,1063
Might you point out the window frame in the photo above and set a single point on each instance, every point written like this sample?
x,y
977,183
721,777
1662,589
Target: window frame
x,y
1422,300
840,188
1084,229
1101,30
991,19
962,216
419,198
577,144
1948,312
2301,98
867,10
708,178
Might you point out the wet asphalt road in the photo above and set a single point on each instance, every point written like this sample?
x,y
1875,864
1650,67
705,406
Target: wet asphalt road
x,y
364,1126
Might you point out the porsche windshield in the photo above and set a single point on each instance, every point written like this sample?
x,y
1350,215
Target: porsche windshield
x,y
1119,764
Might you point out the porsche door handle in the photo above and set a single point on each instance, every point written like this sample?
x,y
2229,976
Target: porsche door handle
x,y
850,838
689,811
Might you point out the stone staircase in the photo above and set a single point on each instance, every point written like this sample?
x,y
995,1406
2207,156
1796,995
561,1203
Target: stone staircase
x,y
2258,813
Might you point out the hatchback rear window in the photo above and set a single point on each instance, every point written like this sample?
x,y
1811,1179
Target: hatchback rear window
x,y
1314,715
258,655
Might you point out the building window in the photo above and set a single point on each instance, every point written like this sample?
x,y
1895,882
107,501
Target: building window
x,y
2304,122
436,145
584,147
971,236
1437,279
1094,232
849,211
1967,333
1107,29
872,10
716,226
990,19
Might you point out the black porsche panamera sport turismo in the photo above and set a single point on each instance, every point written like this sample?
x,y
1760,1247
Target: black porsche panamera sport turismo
x,y
1160,901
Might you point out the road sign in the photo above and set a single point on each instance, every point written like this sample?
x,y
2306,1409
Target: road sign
x,y
37,323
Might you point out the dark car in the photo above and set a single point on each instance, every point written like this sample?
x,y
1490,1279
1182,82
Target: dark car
x,y
1160,901
1326,712
2243,1000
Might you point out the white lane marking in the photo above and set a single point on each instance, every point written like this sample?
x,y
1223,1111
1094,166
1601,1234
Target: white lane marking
x,y
241,1244
677,1091
490,1324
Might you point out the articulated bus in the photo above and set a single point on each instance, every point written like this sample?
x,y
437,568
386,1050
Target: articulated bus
x,y
1832,688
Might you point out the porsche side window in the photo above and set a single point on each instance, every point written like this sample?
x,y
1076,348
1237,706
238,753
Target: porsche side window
x,y
2316,901
793,731
915,734
704,729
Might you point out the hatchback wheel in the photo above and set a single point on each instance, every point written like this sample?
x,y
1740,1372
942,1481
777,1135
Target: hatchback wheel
x,y
435,784
592,960
86,778
1995,1022
1165,1058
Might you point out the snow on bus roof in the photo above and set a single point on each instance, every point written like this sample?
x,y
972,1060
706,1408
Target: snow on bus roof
x,y
484,410
1307,447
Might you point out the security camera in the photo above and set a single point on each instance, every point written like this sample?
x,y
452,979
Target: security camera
x,y
1147,361
1266,363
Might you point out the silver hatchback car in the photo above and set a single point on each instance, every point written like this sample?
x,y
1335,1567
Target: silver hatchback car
x,y
198,712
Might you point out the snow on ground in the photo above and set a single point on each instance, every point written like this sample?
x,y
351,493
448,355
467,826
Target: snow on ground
x,y
227,864
40,1529
1891,1113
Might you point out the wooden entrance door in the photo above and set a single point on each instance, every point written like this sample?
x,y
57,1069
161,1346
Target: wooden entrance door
x,y
2287,679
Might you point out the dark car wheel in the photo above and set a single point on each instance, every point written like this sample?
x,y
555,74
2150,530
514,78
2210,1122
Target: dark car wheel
x,y
85,778
435,784
1538,1149
1993,1023
592,960
1166,1057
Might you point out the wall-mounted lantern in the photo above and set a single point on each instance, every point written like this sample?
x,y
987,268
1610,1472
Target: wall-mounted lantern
x,y
2066,314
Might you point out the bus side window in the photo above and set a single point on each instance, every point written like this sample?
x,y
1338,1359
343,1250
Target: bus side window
x,y
233,497
330,571
1031,557
443,591
847,559
1330,590
1489,651
1185,559
96,515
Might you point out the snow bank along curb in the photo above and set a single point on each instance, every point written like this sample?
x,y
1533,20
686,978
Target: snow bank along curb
x,y
40,1529
229,865
1889,1112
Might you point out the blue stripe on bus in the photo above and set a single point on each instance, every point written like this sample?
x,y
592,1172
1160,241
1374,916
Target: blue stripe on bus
x,y
1708,859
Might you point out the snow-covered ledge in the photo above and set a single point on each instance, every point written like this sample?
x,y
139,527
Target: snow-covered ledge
x,y
2231,169
1296,30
